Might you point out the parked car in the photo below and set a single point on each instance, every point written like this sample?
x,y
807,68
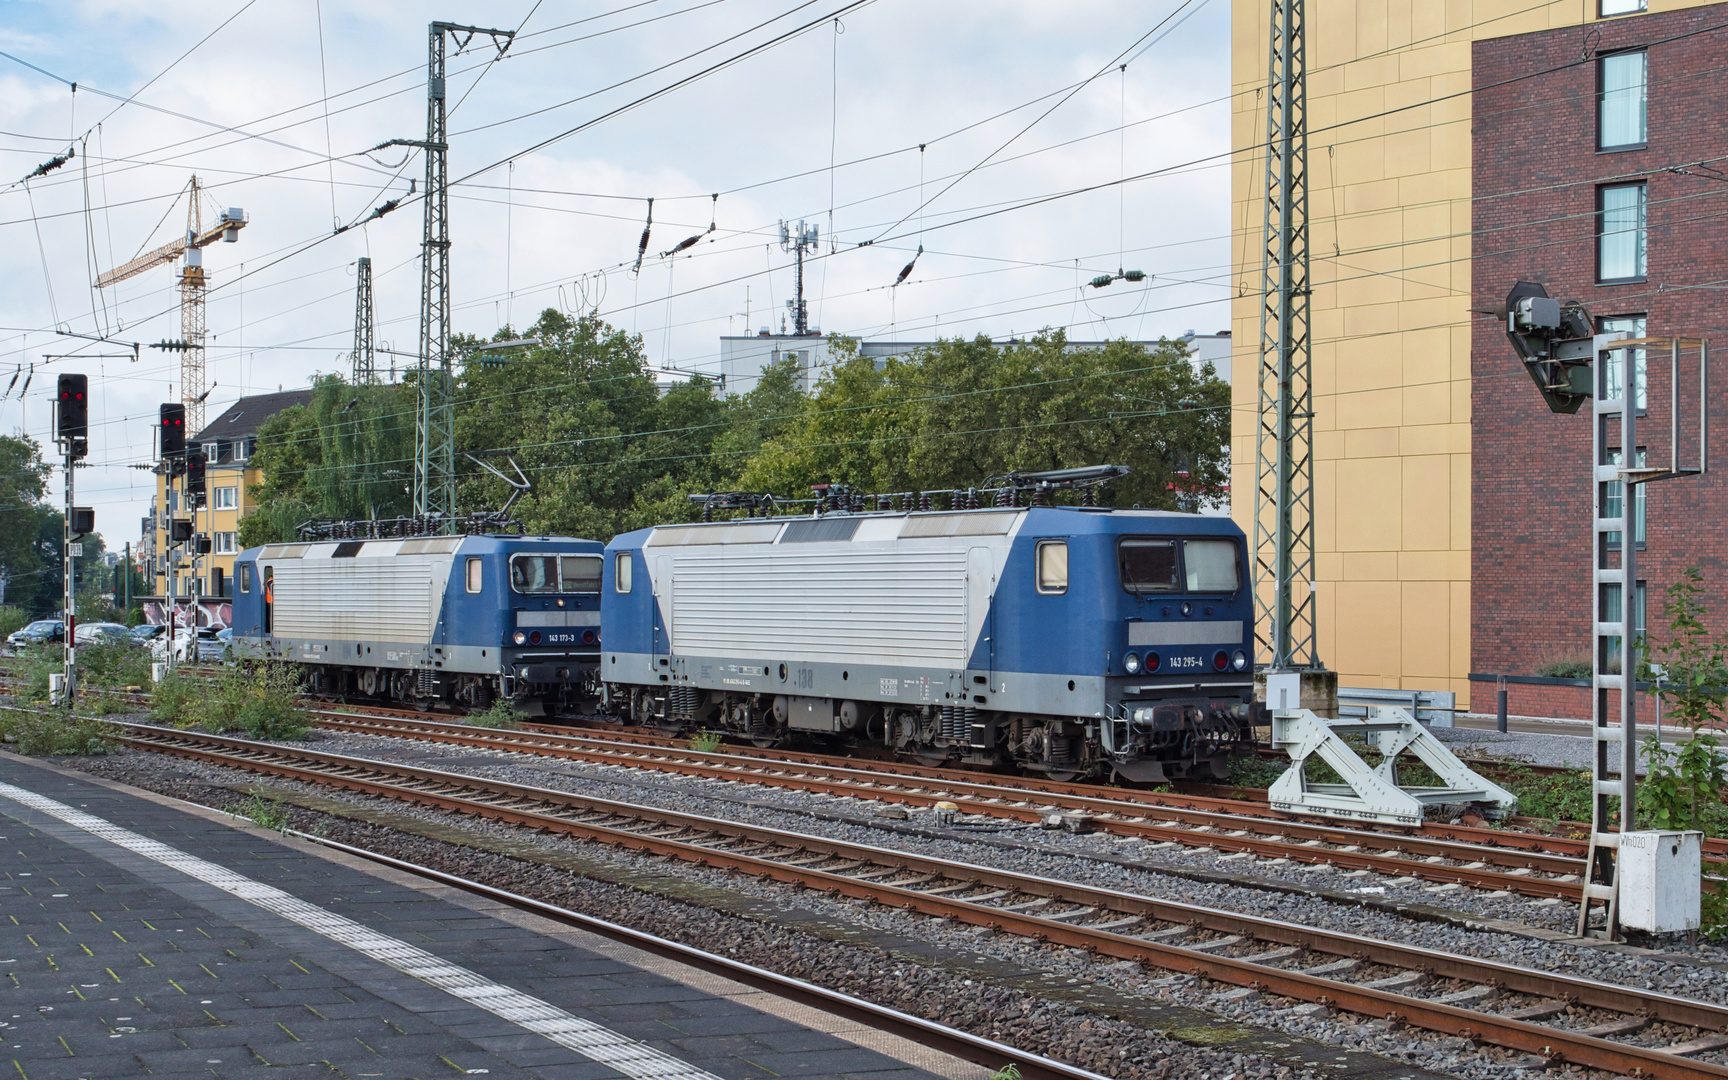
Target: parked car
x,y
147,632
42,630
189,645
94,633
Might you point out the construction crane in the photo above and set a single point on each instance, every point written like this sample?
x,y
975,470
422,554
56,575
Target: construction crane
x,y
192,282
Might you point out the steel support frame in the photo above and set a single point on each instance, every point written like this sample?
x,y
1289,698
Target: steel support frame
x,y
1284,463
1614,695
365,334
434,433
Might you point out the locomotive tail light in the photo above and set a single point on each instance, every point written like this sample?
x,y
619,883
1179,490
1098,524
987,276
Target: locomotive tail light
x,y
1221,660
1152,661
1131,663
519,637
1239,661
588,637
534,639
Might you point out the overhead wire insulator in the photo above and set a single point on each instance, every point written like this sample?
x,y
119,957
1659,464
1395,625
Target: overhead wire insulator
x,y
906,270
642,245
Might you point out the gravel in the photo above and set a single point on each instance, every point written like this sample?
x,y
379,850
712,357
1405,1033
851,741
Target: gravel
x,y
1024,850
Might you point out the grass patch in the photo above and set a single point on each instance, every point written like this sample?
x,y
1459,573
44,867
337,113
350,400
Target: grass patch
x,y
262,703
706,742
46,733
265,809
1561,796
501,714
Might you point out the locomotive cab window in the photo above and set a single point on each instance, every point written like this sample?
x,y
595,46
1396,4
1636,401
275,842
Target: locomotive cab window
x,y
1052,566
532,574
1210,566
580,573
621,572
1147,565
476,574
245,577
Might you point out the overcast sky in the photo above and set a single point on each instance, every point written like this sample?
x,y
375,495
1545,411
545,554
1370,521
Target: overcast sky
x,y
273,105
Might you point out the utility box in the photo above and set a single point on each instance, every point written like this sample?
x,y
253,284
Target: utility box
x,y
1661,875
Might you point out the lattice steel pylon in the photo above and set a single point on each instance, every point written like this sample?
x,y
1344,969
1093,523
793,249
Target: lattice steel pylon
x,y
1284,460
192,284
365,337
435,429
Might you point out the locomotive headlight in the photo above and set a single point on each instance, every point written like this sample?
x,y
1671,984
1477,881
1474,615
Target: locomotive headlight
x,y
1131,663
1239,661
519,637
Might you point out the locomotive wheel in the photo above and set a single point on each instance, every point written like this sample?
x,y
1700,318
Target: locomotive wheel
x,y
765,742
1062,777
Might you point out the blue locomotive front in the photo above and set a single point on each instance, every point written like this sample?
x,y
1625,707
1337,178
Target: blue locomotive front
x,y
459,619
1070,641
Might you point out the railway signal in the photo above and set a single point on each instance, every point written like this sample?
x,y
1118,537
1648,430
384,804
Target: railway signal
x,y
72,418
173,422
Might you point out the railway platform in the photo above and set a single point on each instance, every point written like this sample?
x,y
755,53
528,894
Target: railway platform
x,y
141,936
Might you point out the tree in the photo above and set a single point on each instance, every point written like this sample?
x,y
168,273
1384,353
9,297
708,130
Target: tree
x,y
958,412
30,534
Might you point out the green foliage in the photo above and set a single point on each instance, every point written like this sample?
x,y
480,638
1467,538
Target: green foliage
x,y
606,451
45,732
1562,796
12,619
173,697
959,411
31,667
1006,1072
1569,664
706,742
266,809
347,453
261,703
30,530
115,664
500,714
1251,771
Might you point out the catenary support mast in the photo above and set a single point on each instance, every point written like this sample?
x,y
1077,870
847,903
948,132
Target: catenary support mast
x,y
1284,463
365,337
435,431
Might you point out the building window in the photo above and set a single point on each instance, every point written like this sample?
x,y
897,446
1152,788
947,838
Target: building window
x,y
1620,80
1611,502
1620,7
224,543
1620,232
242,449
227,498
1614,364
212,451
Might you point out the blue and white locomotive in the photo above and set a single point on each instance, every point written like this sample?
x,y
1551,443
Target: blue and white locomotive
x,y
1071,641
459,619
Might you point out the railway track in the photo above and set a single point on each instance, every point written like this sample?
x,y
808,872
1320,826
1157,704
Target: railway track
x,y
1525,869
1624,1030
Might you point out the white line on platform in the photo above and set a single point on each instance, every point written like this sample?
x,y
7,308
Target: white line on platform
x,y
585,1037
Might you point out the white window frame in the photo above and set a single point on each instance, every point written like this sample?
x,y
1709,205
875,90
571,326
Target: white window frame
x,y
226,498
1607,8
1038,566
224,543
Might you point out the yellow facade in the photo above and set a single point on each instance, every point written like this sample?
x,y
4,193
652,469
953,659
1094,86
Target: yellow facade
x,y
1389,206
227,483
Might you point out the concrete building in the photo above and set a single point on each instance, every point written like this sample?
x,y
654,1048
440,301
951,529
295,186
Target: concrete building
x,y
1454,148
228,443
743,359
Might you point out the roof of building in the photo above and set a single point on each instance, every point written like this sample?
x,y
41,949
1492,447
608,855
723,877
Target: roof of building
x,y
247,415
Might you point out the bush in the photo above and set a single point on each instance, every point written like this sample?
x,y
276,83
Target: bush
x,y
706,742
1565,664
12,619
262,703
40,733
1251,771
33,666
113,664
172,697
1563,796
501,714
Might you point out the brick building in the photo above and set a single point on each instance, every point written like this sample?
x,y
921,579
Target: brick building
x,y
1585,159
1455,148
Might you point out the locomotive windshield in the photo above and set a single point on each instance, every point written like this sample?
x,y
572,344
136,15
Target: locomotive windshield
x,y
538,574
1153,565
1148,565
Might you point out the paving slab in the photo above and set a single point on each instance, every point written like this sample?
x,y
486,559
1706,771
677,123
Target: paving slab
x,y
143,936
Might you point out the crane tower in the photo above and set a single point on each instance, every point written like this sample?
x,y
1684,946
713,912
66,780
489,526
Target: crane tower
x,y
191,245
